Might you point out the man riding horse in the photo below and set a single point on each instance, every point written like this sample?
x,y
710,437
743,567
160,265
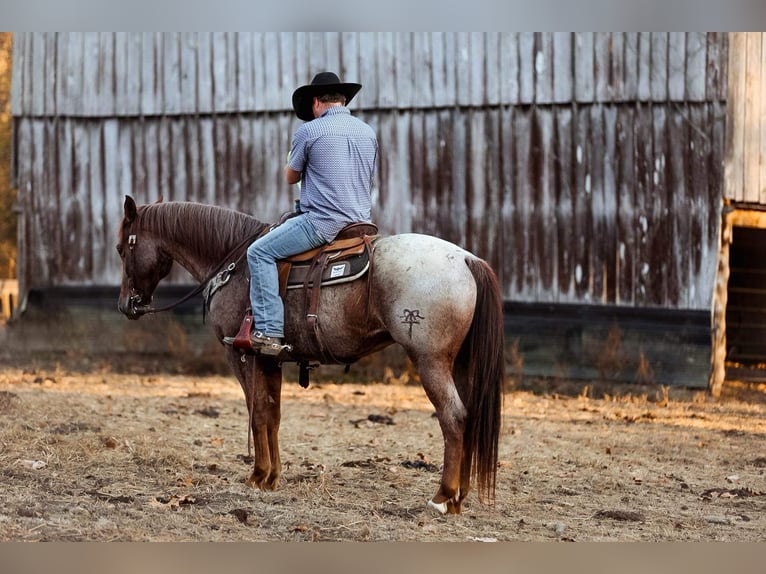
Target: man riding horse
x,y
333,156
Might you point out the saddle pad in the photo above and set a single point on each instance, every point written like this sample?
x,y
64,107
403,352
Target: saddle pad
x,y
341,270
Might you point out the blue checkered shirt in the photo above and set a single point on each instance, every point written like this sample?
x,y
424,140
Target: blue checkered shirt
x,y
336,153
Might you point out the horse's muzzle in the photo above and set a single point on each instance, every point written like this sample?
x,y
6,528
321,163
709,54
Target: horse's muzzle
x,y
133,307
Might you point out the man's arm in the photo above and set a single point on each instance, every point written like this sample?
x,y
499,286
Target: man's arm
x,y
292,176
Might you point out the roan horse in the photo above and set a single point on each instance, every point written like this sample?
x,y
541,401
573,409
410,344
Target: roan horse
x,y
440,302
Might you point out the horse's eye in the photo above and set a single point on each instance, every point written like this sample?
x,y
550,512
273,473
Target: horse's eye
x,y
120,250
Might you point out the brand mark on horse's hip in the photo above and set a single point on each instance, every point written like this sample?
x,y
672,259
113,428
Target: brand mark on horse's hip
x,y
411,317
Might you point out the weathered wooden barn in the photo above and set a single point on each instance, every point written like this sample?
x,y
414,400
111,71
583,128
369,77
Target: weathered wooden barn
x,y
588,168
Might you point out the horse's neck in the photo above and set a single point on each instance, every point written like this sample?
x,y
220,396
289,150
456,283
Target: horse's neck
x,y
193,253
198,267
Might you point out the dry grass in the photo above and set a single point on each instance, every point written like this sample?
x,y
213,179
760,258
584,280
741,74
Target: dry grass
x,y
101,455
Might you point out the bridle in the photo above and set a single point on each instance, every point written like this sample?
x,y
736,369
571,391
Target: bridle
x,y
135,298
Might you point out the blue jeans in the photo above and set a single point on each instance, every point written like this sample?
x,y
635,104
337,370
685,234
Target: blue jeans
x,y
295,235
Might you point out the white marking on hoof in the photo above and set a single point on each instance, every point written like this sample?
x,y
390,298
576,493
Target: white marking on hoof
x,y
440,507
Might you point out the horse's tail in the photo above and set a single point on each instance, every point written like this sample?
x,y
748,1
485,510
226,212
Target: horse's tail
x,y
483,352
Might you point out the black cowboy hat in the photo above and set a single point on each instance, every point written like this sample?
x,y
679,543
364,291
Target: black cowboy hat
x,y
323,83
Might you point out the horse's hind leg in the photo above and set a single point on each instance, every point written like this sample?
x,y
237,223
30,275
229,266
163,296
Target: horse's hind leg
x,y
451,412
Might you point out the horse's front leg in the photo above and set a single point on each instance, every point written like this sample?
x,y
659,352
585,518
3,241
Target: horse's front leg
x,y
264,381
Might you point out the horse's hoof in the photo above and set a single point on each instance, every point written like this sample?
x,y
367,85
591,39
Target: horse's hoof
x,y
440,507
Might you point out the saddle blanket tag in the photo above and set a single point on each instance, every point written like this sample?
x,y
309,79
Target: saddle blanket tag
x,y
337,271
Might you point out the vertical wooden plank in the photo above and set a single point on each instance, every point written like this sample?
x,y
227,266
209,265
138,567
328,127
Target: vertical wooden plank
x,y
232,89
476,186
584,87
583,218
51,79
509,68
63,183
368,69
332,53
735,119
271,71
660,223
188,57
288,80
602,66
450,68
18,75
626,206
618,70
644,66
127,70
679,208
526,67
149,103
76,259
170,72
599,226
562,176
422,70
543,68
387,173
204,97
510,252
403,78
698,177
386,70
108,81
463,68
477,61
349,61
457,201
644,167
696,62
61,71
245,71
38,50
317,52
259,81
561,73
676,66
492,70
723,85
713,61
190,130
125,166
417,172
220,72
524,270
544,245
207,162
753,118
630,60
431,143
75,83
181,167
93,205
609,241
658,78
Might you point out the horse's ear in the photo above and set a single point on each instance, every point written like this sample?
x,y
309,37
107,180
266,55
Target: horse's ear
x,y
130,209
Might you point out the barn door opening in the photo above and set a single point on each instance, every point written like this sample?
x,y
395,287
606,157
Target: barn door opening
x,y
746,305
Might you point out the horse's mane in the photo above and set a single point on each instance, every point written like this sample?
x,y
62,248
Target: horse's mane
x,y
209,230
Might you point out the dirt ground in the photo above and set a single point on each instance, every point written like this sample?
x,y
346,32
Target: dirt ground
x,y
97,454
